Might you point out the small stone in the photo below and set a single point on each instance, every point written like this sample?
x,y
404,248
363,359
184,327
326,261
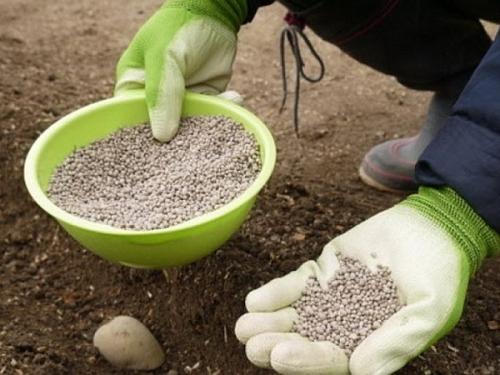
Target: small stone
x,y
91,360
299,237
126,343
493,325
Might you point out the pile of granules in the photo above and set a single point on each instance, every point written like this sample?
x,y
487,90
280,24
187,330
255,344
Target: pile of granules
x,y
131,181
356,302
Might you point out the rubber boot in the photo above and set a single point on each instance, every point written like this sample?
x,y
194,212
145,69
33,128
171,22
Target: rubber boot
x,y
390,166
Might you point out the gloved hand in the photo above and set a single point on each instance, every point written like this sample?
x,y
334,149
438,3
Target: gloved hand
x,y
432,242
186,44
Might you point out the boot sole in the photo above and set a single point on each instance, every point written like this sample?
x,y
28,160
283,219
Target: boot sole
x,y
377,185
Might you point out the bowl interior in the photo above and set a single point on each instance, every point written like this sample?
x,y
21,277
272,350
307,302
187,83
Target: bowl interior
x,y
98,120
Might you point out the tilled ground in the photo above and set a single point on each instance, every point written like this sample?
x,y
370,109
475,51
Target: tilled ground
x,y
57,56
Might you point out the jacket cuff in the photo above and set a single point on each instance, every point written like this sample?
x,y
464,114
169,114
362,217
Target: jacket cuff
x,y
452,213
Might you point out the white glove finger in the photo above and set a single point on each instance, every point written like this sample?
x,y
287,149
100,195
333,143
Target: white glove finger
x,y
284,291
233,96
131,79
130,69
306,357
165,96
280,292
252,324
258,349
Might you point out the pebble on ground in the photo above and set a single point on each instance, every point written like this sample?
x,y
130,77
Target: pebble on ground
x,y
131,181
127,343
356,302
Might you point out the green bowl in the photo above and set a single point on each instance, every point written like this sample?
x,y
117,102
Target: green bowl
x,y
173,246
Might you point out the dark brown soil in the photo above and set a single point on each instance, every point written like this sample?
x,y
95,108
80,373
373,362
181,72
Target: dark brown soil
x,y
56,56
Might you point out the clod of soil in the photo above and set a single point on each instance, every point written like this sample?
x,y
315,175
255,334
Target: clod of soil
x,y
131,181
126,343
356,302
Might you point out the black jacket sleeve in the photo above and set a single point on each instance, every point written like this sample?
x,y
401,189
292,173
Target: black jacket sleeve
x,y
465,155
253,5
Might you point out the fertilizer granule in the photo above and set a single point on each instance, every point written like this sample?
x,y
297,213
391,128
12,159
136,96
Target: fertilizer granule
x,y
131,181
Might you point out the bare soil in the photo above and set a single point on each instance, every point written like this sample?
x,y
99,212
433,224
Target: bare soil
x,y
56,56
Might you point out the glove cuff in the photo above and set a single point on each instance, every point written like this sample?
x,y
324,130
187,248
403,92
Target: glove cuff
x,y
454,215
231,13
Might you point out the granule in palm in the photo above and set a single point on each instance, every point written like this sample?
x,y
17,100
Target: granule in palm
x,y
356,302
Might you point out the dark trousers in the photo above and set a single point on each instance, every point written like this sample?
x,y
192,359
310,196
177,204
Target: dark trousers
x,y
423,43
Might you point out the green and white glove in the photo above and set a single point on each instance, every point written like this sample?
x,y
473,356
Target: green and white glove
x,y
187,44
433,242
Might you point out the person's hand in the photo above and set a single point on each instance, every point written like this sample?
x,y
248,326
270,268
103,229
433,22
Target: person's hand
x,y
187,44
432,242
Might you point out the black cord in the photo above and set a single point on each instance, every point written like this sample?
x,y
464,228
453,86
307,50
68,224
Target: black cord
x,y
292,34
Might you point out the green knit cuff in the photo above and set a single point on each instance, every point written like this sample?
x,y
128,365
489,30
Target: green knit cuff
x,y
449,211
231,13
